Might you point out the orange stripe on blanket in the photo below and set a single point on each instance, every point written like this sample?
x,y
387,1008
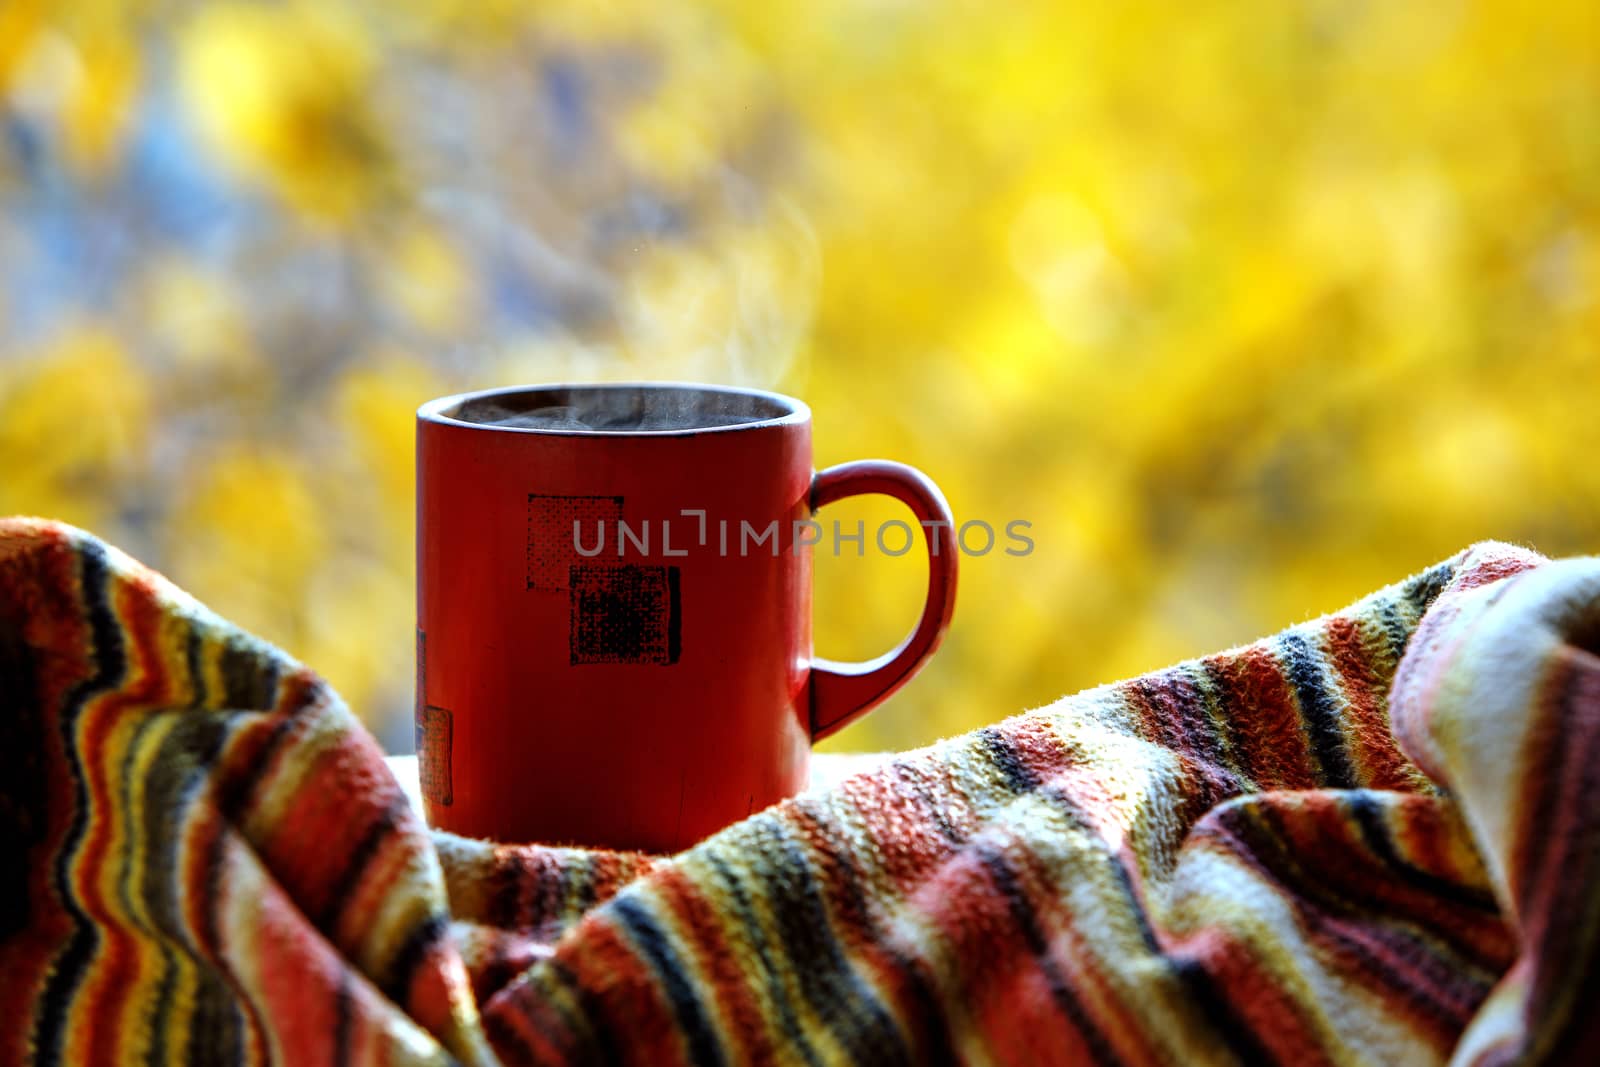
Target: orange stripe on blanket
x,y
1379,763
1270,745
115,971
704,923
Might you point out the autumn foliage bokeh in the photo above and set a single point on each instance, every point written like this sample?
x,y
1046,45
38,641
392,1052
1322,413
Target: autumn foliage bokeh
x,y
1246,306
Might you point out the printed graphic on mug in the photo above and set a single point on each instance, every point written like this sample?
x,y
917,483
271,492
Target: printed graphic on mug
x,y
551,520
433,751
625,613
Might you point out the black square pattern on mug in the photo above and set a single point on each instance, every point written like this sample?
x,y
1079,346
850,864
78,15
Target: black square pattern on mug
x,y
554,522
625,613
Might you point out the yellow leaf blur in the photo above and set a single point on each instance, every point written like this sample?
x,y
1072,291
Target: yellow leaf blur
x,y
280,92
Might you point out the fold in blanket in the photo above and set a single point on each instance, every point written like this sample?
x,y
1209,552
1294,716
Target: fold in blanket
x,y
1370,839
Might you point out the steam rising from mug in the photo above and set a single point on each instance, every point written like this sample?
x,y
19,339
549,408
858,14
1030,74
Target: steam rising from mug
x,y
613,411
726,293
734,306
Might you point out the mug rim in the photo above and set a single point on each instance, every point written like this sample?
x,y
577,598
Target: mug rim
x,y
796,411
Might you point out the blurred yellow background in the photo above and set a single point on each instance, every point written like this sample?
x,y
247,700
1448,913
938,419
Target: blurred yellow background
x,y
1246,306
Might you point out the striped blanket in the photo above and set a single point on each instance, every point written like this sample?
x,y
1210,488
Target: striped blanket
x,y
1370,839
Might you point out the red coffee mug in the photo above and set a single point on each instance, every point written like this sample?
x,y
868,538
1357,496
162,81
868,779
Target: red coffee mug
x,y
614,609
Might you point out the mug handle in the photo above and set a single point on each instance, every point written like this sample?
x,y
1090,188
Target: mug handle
x,y
843,692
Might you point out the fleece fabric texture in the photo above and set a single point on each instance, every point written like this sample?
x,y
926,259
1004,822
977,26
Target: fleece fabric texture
x,y
1370,839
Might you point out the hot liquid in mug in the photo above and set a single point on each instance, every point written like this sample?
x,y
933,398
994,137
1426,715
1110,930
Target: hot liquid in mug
x,y
614,609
